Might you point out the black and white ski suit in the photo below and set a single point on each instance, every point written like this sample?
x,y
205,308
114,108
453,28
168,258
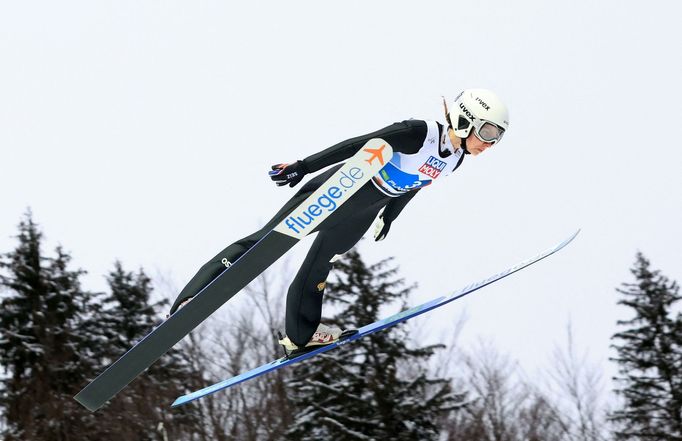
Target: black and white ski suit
x,y
422,154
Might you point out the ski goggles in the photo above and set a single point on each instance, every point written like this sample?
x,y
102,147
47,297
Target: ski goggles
x,y
484,130
488,132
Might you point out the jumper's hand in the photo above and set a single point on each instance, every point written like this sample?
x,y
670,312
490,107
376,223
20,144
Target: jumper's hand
x,y
381,228
291,174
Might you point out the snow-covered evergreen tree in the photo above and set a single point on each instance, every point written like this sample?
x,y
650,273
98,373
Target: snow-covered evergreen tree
x,y
378,387
649,357
55,337
41,339
125,316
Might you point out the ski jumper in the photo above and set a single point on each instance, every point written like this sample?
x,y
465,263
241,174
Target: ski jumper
x,y
422,155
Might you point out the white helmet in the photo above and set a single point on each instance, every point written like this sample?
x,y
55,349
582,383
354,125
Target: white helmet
x,y
481,110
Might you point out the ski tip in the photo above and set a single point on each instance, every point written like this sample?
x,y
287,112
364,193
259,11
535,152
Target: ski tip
x,y
573,236
568,240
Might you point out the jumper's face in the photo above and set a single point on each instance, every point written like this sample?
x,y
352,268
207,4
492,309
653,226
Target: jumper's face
x,y
475,146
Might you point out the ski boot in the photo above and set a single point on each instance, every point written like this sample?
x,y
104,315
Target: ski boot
x,y
323,336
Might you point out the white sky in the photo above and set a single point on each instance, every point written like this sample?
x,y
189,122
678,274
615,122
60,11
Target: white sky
x,y
143,131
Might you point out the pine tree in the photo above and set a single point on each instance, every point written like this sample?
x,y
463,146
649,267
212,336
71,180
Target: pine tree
x,y
41,341
55,337
126,315
377,387
649,357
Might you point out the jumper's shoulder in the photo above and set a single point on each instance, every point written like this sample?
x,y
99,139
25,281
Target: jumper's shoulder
x,y
417,128
406,136
413,126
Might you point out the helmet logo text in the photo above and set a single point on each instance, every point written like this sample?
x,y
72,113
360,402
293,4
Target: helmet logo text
x,y
485,106
466,111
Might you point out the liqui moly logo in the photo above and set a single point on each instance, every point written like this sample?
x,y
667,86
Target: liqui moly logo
x,y
432,167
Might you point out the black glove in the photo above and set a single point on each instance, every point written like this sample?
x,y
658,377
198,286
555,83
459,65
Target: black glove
x,y
291,174
381,228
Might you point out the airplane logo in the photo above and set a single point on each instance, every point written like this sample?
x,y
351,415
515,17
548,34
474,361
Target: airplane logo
x,y
376,153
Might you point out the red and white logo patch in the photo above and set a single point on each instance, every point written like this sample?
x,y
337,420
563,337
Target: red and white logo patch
x,y
432,167
322,337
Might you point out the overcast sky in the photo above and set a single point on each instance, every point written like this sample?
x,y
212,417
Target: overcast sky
x,y
143,131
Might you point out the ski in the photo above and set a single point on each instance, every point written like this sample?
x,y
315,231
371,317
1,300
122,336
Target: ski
x,y
371,328
308,216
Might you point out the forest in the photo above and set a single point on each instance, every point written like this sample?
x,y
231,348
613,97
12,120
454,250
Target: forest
x,y
56,335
